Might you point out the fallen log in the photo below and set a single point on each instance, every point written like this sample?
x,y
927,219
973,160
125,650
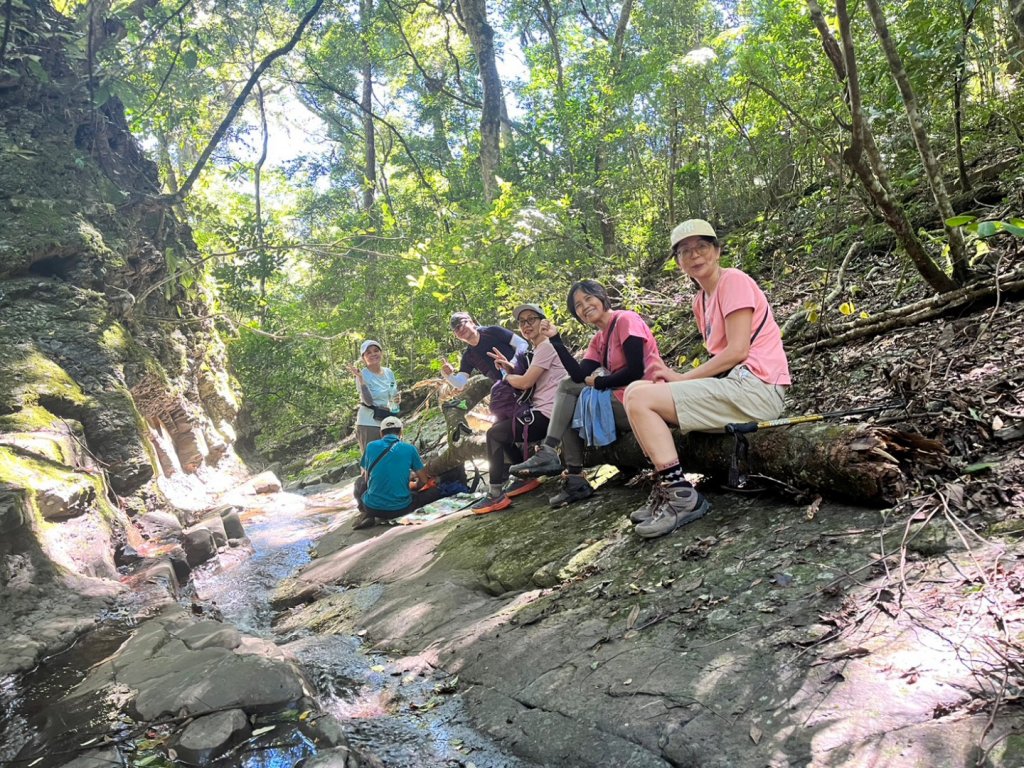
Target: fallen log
x,y
863,463
454,411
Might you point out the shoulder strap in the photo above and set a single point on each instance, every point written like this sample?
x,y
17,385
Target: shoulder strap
x,y
382,455
608,340
704,312
704,315
763,321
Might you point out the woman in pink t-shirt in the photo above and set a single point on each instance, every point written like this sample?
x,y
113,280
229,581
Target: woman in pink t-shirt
x,y
619,354
744,380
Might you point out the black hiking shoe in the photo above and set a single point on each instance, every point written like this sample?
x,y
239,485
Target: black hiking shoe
x,y
574,488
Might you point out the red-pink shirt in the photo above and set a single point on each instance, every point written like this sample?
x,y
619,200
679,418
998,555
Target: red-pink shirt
x,y
627,323
736,290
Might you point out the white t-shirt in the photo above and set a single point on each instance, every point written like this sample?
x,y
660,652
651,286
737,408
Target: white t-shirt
x,y
383,393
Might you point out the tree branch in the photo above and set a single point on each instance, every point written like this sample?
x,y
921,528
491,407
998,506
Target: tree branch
x,y
240,100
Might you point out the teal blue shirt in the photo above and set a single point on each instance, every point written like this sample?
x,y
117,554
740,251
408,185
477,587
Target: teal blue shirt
x,y
388,489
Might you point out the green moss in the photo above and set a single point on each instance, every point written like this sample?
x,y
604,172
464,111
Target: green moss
x,y
115,340
42,445
528,548
33,418
34,474
26,374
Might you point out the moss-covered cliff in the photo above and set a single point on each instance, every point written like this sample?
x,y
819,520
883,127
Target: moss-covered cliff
x,y
112,378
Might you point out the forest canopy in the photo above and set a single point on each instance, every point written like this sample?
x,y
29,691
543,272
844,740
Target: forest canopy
x,y
470,155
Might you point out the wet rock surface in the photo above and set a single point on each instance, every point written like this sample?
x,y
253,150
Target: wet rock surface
x,y
765,634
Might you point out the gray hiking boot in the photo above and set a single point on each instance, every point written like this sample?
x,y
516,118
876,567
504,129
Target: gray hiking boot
x,y
679,507
646,512
573,488
544,462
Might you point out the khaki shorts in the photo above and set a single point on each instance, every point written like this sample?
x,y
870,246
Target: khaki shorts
x,y
707,405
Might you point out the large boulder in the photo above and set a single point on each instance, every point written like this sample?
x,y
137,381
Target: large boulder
x,y
199,545
174,666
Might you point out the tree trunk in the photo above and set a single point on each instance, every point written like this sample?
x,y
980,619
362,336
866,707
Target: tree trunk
x,y
957,249
435,113
605,216
481,36
1017,14
366,104
871,465
863,157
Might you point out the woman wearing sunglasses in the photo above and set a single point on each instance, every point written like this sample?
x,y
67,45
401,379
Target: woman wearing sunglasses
x,y
620,352
512,437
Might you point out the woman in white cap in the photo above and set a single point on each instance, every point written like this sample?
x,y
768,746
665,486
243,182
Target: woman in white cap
x,y
378,393
744,380
544,373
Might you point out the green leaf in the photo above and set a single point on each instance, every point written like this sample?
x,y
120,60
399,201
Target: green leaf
x,y
36,69
959,221
190,59
981,466
988,228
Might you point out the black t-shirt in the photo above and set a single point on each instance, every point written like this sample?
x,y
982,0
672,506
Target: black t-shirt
x,y
491,336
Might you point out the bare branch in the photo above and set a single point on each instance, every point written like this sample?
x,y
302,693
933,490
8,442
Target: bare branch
x,y
240,100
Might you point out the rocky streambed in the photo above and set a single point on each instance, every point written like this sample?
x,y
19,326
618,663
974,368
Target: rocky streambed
x,y
204,679
767,634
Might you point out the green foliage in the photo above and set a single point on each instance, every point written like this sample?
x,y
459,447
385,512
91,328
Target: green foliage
x,y
988,228
726,111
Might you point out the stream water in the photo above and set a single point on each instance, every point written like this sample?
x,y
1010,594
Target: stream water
x,y
405,719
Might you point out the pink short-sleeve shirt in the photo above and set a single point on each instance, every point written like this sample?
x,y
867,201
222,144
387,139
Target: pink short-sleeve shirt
x,y
736,290
627,323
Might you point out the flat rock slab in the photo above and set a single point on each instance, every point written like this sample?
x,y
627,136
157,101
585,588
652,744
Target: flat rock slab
x,y
758,636
173,666
208,737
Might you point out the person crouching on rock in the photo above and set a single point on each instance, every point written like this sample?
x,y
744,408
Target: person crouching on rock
x,y
378,393
744,380
619,354
386,466
530,421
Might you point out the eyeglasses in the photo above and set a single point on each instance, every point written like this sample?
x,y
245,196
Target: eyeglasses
x,y
526,322
703,248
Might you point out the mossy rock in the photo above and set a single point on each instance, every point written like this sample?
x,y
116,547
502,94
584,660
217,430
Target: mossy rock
x,y
52,490
529,545
26,376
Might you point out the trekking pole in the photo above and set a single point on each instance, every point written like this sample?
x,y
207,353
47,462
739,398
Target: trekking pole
x,y
738,478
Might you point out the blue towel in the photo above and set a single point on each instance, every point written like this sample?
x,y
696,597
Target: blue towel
x,y
594,418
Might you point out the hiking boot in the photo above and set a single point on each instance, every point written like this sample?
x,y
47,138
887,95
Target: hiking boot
x,y
521,486
364,521
679,507
646,512
574,488
544,462
489,504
